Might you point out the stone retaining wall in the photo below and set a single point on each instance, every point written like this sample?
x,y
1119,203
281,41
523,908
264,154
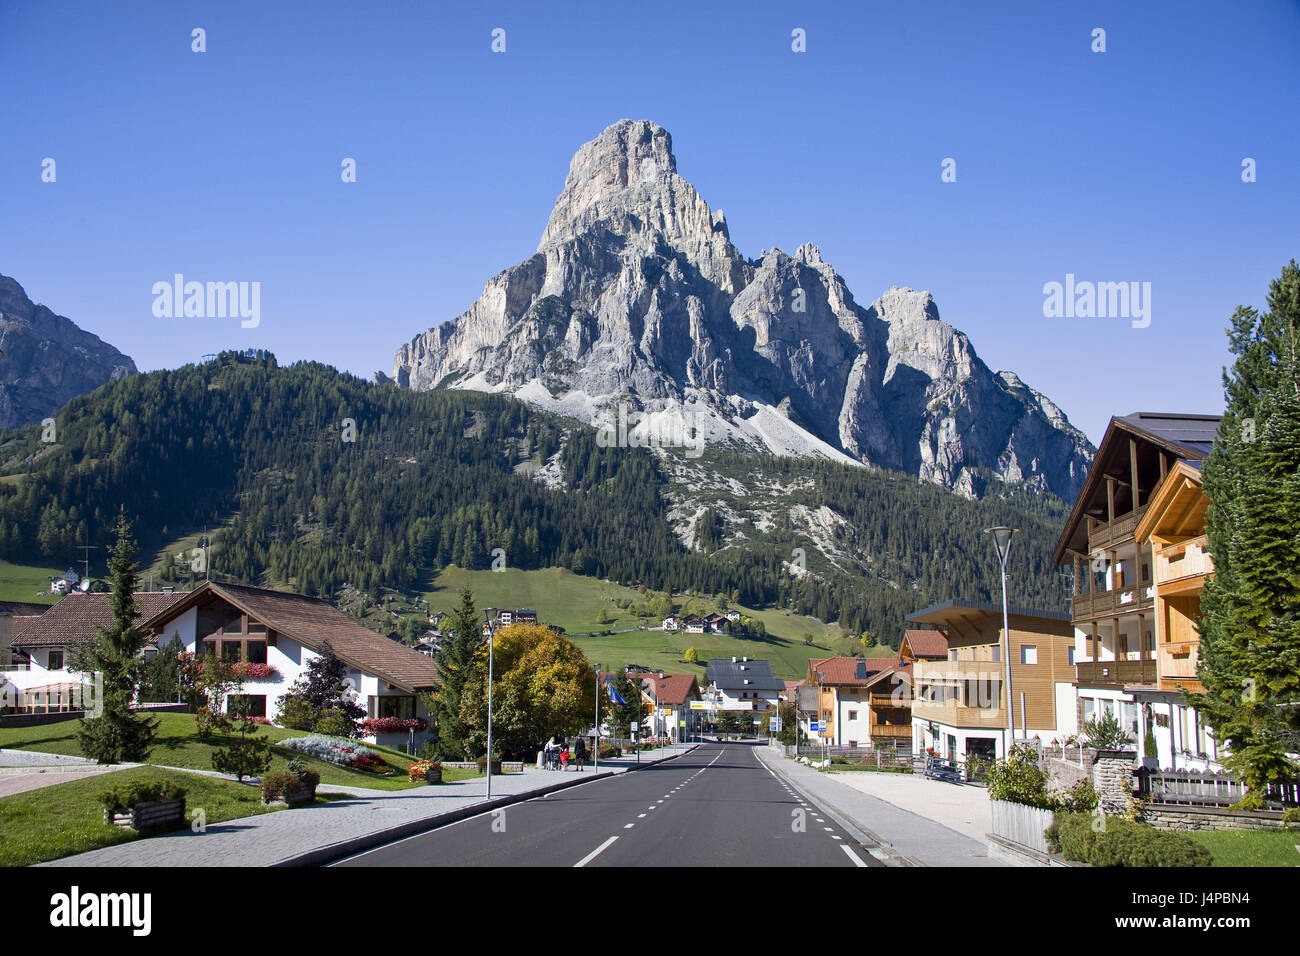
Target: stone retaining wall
x,y
1165,817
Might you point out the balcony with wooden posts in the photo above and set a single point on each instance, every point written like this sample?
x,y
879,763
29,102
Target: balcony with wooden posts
x,y
1130,600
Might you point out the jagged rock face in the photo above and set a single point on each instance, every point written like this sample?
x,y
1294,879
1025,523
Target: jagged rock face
x,y
636,294
47,360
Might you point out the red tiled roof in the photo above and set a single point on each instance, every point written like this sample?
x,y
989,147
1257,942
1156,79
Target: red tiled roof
x,y
73,619
849,671
313,623
927,643
673,689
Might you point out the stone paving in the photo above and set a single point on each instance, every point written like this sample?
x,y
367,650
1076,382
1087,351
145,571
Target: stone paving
x,y
274,837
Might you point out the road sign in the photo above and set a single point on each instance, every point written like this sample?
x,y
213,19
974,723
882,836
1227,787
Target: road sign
x,y
814,727
775,725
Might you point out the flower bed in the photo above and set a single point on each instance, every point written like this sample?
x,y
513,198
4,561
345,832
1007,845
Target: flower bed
x,y
393,725
339,751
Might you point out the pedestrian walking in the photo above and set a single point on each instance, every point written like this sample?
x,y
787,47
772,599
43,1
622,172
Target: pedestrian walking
x,y
580,753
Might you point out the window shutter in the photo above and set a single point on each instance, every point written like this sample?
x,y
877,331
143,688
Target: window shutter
x,y
371,704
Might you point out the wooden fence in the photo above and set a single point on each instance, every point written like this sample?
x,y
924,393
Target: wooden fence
x,y
1193,788
1021,824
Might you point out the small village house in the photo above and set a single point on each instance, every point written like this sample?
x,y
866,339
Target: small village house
x,y
958,706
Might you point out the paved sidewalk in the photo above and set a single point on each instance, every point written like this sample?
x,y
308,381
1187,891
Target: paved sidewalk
x,y
907,838
284,835
956,806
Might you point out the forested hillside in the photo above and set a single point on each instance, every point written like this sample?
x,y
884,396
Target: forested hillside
x,y
317,479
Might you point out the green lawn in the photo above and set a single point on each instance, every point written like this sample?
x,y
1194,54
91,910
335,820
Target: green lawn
x,y
22,582
67,818
177,745
1251,847
573,601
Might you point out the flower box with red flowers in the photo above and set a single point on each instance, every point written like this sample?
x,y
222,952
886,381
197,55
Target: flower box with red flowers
x,y
393,725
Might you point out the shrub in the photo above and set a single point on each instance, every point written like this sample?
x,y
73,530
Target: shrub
x,y
334,723
482,764
1081,798
296,714
208,722
1019,779
1291,815
1111,841
120,799
279,783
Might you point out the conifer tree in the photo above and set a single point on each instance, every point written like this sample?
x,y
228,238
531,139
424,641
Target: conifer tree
x,y
116,734
1249,656
456,665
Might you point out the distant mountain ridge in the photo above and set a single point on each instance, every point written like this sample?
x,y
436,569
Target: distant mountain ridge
x,y
637,295
48,360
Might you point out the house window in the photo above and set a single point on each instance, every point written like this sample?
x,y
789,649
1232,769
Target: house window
x,y
853,715
249,705
257,652
56,660
1028,654
1069,651
995,653
231,651
1089,708
399,706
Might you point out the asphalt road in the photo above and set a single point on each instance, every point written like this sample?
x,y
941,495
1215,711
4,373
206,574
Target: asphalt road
x,y
715,806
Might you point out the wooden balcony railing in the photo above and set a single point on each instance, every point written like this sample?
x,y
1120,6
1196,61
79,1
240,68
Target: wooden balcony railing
x,y
891,730
1117,673
1113,603
1117,532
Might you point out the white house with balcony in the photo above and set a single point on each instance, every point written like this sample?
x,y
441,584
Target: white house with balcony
x,y
271,635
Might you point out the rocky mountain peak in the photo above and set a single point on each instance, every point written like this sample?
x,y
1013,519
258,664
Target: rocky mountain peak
x,y
46,359
637,295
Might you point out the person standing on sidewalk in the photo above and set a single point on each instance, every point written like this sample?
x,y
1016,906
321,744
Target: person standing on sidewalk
x,y
580,753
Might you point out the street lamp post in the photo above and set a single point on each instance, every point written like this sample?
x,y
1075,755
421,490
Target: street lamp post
x,y
1002,541
491,641
595,760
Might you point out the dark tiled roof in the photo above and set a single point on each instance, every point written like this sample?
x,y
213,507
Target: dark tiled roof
x,y
732,676
1195,433
72,621
313,623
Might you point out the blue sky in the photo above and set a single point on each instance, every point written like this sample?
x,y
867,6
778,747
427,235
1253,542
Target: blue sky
x,y
225,165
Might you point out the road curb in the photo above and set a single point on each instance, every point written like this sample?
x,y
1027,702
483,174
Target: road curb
x,y
862,834
321,855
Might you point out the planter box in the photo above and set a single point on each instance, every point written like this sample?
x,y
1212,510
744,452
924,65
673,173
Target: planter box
x,y
433,776
148,815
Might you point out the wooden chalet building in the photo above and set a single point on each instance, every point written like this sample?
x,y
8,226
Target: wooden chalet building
x,y
1114,606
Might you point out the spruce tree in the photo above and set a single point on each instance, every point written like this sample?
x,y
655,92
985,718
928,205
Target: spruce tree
x,y
456,665
116,734
1249,657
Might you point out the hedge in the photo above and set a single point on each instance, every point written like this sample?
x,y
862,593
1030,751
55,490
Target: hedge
x,y
1119,842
